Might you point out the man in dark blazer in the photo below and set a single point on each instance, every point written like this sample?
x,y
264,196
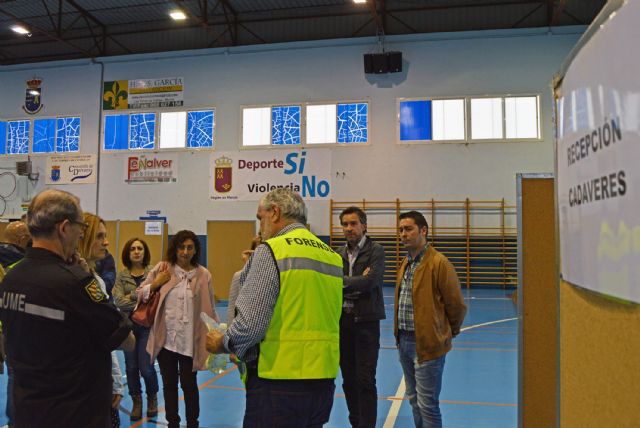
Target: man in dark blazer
x,y
362,310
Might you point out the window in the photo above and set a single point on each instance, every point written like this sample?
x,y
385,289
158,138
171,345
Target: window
x,y
490,118
321,124
3,137
277,125
50,135
431,120
56,135
521,115
339,123
176,130
486,118
505,118
18,137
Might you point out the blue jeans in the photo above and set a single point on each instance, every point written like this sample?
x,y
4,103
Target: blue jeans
x,y
423,382
138,363
10,408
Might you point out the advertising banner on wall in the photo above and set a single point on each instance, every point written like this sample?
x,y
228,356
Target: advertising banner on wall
x,y
247,175
71,169
143,93
151,168
598,149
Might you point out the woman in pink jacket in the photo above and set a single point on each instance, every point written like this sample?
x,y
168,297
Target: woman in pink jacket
x,y
178,334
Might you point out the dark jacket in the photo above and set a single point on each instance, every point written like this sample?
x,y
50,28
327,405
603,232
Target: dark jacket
x,y
365,291
9,254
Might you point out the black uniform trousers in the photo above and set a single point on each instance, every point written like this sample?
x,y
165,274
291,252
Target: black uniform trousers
x,y
359,346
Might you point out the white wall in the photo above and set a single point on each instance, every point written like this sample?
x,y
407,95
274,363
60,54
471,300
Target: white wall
x,y
456,64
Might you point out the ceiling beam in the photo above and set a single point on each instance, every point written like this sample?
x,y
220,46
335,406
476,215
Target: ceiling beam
x,y
87,15
373,8
49,35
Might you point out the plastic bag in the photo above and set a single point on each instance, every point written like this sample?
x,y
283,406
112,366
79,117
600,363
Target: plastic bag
x,y
216,363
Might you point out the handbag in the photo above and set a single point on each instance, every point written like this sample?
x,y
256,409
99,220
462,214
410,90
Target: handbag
x,y
145,312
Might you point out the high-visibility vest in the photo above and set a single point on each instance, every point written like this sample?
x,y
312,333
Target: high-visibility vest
x,y
303,338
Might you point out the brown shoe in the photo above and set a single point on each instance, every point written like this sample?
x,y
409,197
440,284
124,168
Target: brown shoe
x,y
136,411
152,406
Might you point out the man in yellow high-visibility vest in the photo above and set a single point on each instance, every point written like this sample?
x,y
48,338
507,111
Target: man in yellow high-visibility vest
x,y
287,322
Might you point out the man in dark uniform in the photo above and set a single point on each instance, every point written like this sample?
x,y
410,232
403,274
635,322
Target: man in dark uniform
x,y
362,310
59,325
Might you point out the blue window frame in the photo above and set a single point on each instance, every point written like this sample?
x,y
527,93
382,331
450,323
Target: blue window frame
x,y
200,129
18,137
415,120
44,136
116,132
61,135
137,131
285,125
142,131
67,134
353,122
3,137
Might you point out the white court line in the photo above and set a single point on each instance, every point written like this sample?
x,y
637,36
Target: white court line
x,y
396,400
395,406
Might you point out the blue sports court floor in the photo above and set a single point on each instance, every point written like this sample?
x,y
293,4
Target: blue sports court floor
x,y
479,387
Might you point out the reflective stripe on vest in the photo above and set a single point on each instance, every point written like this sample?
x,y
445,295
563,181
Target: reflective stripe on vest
x,y
303,338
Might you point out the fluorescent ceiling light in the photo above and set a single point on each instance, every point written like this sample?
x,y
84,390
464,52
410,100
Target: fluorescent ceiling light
x,y
359,1
178,15
20,29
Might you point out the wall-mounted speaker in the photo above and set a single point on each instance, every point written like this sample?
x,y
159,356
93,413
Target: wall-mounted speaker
x,y
380,63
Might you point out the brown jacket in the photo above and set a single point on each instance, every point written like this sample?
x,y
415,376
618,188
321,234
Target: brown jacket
x,y
203,301
438,305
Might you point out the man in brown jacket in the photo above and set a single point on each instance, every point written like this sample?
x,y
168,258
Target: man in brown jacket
x,y
429,310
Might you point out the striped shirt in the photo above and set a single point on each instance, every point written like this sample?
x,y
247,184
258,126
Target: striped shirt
x,y
260,288
405,300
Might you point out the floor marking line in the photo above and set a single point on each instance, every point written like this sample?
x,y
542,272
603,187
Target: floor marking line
x,y
487,323
397,400
181,397
395,405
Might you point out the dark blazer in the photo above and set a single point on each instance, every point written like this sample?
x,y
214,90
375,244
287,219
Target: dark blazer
x,y
365,291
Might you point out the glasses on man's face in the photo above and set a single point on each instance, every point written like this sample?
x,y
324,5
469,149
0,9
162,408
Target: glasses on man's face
x,y
82,224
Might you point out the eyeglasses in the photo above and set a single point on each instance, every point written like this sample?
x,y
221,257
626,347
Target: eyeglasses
x,y
82,224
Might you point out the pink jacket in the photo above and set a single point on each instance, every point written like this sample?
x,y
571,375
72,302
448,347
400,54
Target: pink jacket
x,y
203,301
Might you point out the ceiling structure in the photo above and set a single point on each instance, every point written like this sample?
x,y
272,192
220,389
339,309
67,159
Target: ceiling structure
x,y
71,29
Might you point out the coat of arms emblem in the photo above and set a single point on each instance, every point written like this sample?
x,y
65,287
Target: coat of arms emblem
x,y
222,175
33,99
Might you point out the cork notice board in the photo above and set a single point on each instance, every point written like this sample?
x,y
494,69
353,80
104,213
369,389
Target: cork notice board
x,y
537,301
600,353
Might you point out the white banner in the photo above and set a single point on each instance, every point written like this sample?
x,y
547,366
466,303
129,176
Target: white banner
x,y
247,175
151,93
598,153
71,169
151,168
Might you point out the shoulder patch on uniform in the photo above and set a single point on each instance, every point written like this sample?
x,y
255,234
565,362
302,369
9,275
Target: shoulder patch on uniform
x,y
95,292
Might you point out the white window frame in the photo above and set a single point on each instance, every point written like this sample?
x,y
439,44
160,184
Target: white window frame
x,y
158,113
504,138
467,118
423,142
303,125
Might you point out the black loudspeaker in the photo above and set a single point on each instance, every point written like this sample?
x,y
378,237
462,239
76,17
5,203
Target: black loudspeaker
x,y
368,63
395,62
380,63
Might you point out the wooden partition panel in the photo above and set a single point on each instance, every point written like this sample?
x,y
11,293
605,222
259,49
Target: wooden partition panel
x,y
120,231
600,351
537,301
225,242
